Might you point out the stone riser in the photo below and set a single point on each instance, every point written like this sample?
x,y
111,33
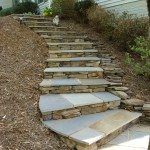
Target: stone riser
x,y
71,55
116,133
95,146
70,47
80,75
82,110
72,89
63,40
74,64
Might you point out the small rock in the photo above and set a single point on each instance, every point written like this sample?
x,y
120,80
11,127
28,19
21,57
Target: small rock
x,y
120,94
133,102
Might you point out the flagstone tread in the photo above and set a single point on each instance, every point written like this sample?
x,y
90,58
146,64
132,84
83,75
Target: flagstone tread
x,y
73,69
55,102
70,43
76,82
47,27
73,51
72,128
37,22
61,37
42,31
134,138
38,18
73,59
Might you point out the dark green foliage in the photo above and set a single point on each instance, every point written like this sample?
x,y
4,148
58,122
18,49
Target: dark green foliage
x,y
1,8
26,7
81,8
6,12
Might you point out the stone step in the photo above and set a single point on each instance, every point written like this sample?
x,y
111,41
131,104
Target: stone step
x,y
70,45
56,33
73,62
72,53
27,15
33,23
48,28
73,72
63,106
60,39
135,138
87,132
60,86
37,19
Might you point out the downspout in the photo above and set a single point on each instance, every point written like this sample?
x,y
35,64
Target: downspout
x,y
148,6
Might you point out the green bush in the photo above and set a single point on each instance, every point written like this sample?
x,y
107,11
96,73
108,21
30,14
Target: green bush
x,y
127,28
142,48
121,29
6,12
47,11
63,8
1,8
26,7
81,8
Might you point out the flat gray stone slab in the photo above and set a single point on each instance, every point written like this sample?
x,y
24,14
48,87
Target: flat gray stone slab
x,y
41,31
146,107
73,51
74,69
87,136
70,43
63,37
52,102
67,127
106,96
134,138
94,82
82,99
37,22
47,27
63,82
58,82
74,59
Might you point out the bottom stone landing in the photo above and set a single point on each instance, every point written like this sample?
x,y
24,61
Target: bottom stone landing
x,y
88,132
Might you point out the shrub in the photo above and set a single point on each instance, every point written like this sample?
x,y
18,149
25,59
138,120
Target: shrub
x,y
1,8
47,12
121,29
100,19
6,12
142,47
81,8
63,8
127,28
26,7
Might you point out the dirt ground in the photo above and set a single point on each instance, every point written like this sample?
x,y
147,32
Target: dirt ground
x,y
22,55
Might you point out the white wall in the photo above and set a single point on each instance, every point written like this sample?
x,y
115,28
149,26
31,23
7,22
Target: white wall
x,y
6,3
138,7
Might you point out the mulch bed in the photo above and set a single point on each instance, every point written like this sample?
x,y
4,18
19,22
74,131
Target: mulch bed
x,y
22,55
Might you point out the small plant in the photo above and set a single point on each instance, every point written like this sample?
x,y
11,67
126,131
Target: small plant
x,y
81,8
47,12
142,48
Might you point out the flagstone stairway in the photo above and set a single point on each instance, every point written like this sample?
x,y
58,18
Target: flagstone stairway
x,y
82,91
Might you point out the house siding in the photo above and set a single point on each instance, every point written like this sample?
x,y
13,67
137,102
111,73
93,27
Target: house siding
x,y
6,3
138,7
43,5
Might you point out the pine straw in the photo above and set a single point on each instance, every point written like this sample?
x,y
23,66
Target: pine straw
x,y
22,55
